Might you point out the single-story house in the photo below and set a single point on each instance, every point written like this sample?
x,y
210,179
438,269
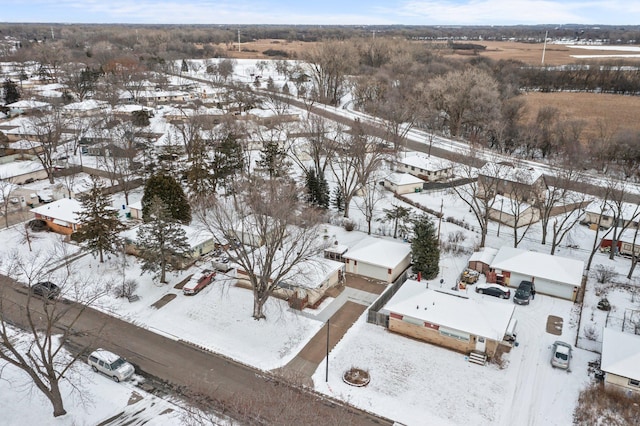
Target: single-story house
x,y
26,105
135,210
85,108
449,319
252,231
426,168
552,275
380,259
522,183
24,146
512,212
480,260
21,171
621,360
306,283
403,183
629,216
61,216
200,241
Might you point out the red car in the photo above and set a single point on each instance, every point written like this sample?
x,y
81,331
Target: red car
x,y
198,281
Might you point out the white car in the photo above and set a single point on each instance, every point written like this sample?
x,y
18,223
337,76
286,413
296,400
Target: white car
x,y
110,364
561,355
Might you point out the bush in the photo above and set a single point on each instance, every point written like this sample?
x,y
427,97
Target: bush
x,y
276,52
600,406
349,225
604,274
590,333
127,289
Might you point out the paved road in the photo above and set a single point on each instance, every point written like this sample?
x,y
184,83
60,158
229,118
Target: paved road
x,y
239,391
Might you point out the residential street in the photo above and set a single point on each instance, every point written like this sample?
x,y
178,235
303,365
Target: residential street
x,y
238,390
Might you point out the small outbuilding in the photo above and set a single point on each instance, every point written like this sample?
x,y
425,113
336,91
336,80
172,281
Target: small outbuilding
x,y
379,259
480,260
621,361
403,183
552,275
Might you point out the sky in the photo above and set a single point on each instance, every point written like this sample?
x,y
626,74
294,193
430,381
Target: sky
x,y
326,12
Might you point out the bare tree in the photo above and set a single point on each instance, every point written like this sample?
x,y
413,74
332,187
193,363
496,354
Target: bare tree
x,y
48,325
7,186
356,159
271,215
48,128
329,63
371,196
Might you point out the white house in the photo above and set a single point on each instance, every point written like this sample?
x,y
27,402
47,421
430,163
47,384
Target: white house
x,y
380,259
403,183
629,214
621,360
426,168
512,212
449,319
553,275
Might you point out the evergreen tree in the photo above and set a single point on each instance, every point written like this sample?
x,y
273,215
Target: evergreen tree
x,y
11,93
100,223
399,216
185,66
161,241
172,195
270,84
198,176
228,159
318,189
272,159
338,199
425,250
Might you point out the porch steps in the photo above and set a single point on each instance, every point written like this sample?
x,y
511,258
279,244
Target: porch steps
x,y
479,358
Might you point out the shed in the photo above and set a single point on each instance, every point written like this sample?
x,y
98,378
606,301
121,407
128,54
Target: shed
x,y
380,259
449,319
553,275
480,260
621,360
403,183
135,210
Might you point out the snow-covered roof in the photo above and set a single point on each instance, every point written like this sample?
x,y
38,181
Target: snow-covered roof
x,y
195,236
312,273
86,105
627,236
630,211
65,209
509,172
27,104
478,317
337,248
508,205
485,255
379,252
400,179
432,164
540,265
19,168
23,144
620,353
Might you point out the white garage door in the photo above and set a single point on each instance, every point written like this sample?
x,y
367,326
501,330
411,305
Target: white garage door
x,y
554,288
372,271
514,280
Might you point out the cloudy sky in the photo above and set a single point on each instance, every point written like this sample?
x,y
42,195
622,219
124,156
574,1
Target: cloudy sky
x,y
346,12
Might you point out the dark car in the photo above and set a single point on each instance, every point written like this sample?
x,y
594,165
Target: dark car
x,y
494,290
46,289
525,292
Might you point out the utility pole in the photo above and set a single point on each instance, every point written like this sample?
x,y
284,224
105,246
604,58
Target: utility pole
x,y
239,48
326,377
440,219
544,47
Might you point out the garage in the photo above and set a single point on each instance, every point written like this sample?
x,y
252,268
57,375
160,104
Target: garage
x,y
553,275
378,259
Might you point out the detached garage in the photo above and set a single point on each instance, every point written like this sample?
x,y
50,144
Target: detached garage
x,y
552,275
379,259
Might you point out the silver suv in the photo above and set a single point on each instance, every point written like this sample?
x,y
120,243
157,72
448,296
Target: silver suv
x,y
110,364
561,355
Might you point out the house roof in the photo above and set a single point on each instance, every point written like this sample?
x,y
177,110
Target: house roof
x,y
19,168
86,105
629,210
27,104
620,353
65,209
379,252
449,309
485,255
539,265
23,144
509,172
509,205
400,179
432,164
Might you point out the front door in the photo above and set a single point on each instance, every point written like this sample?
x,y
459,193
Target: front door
x,y
481,344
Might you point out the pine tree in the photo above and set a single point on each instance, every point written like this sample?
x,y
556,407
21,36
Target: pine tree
x,y
172,195
185,66
11,93
425,251
318,189
272,159
338,199
228,159
161,241
100,223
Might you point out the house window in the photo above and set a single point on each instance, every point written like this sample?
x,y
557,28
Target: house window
x,y
455,334
635,383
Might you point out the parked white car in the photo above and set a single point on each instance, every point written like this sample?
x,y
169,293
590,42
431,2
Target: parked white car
x,y
561,355
110,364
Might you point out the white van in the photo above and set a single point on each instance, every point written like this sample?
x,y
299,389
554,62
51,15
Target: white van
x,y
110,364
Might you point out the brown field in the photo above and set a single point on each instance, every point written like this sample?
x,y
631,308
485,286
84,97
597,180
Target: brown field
x,y
617,112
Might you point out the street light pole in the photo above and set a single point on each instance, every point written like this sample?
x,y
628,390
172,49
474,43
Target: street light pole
x,y
326,378
500,218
